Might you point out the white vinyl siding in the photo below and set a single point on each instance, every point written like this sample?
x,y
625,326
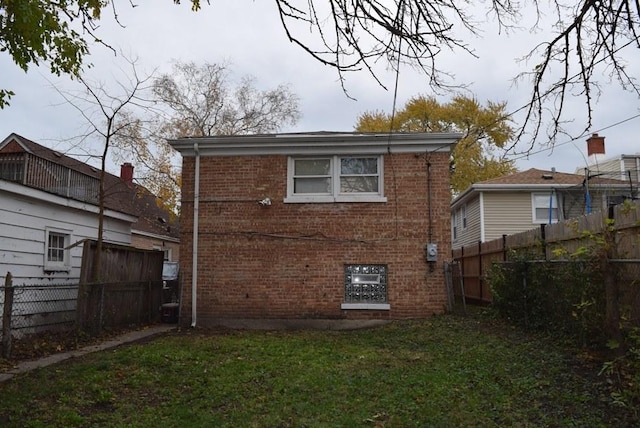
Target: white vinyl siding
x,y
470,234
612,168
506,213
617,168
23,238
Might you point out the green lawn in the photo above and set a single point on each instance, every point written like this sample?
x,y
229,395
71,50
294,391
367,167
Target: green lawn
x,y
447,371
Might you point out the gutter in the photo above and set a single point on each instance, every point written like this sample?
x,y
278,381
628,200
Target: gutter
x,y
194,267
551,186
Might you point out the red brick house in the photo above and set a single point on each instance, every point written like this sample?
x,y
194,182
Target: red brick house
x,y
290,228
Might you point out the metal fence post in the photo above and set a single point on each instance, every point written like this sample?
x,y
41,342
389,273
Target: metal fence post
x,y
6,316
101,309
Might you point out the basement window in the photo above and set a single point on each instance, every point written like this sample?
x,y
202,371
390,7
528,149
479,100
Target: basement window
x,y
335,179
365,287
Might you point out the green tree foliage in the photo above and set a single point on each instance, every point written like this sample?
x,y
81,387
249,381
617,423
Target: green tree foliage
x,y
485,131
40,31
56,33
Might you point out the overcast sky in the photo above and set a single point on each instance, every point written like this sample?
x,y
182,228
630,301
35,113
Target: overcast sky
x,y
249,35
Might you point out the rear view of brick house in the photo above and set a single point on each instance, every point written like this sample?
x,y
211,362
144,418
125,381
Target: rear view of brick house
x,y
314,227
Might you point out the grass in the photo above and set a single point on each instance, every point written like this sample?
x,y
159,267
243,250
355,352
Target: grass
x,y
445,371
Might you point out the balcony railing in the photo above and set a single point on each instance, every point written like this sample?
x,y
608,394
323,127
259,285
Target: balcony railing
x,y
43,174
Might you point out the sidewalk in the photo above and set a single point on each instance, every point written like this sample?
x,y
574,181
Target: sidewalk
x,y
130,337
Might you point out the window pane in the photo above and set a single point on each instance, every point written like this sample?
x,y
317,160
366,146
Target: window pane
x,y
312,185
365,277
541,206
312,167
359,184
55,251
365,284
543,214
359,165
541,201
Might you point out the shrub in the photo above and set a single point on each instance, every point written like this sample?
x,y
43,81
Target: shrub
x,y
565,297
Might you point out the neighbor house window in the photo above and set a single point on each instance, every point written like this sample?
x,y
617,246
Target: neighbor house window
x,y
165,251
11,168
454,225
57,253
463,216
545,207
365,287
335,179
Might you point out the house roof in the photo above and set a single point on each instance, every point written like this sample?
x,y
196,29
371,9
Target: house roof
x,y
552,178
535,179
152,218
120,196
334,143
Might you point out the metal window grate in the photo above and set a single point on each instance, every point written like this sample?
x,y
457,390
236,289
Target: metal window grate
x,y
365,283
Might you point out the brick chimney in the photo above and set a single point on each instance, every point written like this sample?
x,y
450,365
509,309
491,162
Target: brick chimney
x,y
595,145
126,173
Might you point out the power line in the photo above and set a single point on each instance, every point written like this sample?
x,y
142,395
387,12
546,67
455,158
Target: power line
x,y
527,154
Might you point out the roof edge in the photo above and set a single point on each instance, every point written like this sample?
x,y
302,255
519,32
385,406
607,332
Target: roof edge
x,y
315,143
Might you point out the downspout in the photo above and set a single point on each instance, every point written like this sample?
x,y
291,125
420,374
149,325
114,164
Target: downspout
x,y
194,267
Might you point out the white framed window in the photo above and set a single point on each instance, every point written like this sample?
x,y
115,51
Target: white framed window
x,y
335,179
545,208
57,254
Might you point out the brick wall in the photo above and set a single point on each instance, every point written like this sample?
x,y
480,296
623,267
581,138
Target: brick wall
x,y
287,260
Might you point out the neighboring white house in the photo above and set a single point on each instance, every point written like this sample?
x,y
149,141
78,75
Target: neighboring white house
x,y
622,167
525,200
48,207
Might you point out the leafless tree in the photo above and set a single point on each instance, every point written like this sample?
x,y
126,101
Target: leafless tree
x,y
202,101
586,45
590,47
199,100
106,115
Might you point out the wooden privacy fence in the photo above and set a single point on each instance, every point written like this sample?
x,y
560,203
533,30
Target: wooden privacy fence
x,y
541,243
35,309
129,291
117,305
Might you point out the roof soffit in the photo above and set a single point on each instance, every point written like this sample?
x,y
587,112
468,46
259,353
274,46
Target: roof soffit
x,y
314,144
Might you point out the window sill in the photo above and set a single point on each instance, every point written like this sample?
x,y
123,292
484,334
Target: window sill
x,y
331,199
366,306
57,268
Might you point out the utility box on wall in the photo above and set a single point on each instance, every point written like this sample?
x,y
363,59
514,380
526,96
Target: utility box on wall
x,y
431,252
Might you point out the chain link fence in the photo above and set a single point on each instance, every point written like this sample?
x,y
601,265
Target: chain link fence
x,y
89,309
40,307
